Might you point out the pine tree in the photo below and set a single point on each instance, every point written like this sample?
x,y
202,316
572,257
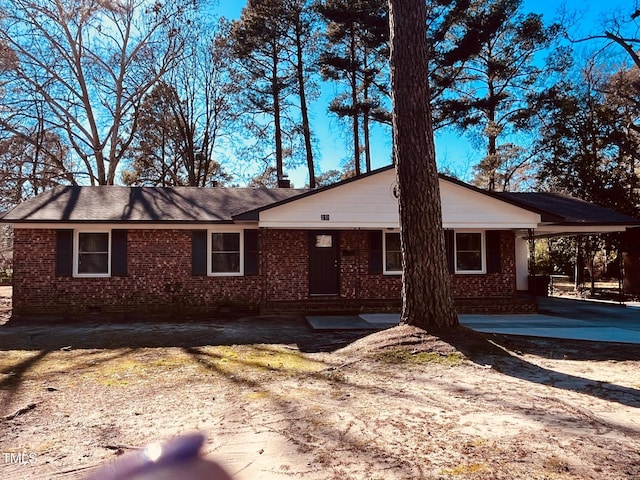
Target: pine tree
x,y
491,92
357,34
271,41
426,297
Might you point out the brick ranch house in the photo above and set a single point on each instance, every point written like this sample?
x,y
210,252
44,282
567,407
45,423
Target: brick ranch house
x,y
187,250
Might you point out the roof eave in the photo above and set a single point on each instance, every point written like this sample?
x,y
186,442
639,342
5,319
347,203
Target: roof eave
x,y
580,228
116,222
592,224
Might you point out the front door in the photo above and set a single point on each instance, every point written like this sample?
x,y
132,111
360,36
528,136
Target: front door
x,y
323,263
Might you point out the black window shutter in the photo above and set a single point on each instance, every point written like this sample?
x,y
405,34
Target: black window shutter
x,y
118,253
199,253
251,256
375,251
449,242
64,253
493,251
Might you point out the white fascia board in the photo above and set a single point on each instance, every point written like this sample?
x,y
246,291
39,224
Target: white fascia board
x,y
342,225
330,226
560,230
488,226
134,226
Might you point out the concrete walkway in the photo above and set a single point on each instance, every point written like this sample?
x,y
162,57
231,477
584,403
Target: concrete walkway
x,y
557,318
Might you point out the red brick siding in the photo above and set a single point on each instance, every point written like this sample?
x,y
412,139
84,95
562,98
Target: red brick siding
x,y
357,281
501,284
360,290
34,265
159,278
285,263
285,259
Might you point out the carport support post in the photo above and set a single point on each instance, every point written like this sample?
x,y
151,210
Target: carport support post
x,y
579,269
532,262
620,272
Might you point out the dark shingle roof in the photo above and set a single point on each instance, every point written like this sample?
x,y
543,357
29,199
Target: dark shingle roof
x,y
564,209
145,204
223,205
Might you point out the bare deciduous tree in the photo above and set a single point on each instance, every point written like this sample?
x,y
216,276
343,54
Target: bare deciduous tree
x,y
30,166
89,62
187,120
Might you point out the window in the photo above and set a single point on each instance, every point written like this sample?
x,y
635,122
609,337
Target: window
x,y
392,253
90,253
224,253
469,252
324,241
93,255
226,258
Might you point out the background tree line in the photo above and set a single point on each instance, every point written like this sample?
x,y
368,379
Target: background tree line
x,y
142,92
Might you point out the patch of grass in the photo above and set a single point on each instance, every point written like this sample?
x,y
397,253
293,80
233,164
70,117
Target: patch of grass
x,y
464,470
122,367
478,442
333,376
122,370
44,447
236,358
405,356
556,464
107,367
11,357
255,395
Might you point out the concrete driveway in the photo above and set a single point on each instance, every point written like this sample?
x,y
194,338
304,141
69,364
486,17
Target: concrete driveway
x,y
566,318
557,318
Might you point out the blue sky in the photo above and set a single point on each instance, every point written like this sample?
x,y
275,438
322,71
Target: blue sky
x,y
453,150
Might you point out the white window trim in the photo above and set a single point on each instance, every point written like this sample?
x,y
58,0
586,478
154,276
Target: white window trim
x,y
384,253
483,253
76,253
210,273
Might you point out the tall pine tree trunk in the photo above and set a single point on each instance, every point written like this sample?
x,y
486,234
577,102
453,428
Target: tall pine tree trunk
x,y
277,123
493,162
304,110
365,117
354,105
426,298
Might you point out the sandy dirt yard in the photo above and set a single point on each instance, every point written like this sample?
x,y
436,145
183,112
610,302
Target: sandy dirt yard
x,y
277,400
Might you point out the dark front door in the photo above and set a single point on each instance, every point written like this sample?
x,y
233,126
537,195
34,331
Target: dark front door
x,y
323,263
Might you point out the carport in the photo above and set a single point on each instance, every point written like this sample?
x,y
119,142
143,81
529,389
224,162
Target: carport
x,y
561,216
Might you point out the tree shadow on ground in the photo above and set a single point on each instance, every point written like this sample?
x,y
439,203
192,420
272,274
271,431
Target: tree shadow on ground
x,y
561,349
14,376
293,414
496,351
150,332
